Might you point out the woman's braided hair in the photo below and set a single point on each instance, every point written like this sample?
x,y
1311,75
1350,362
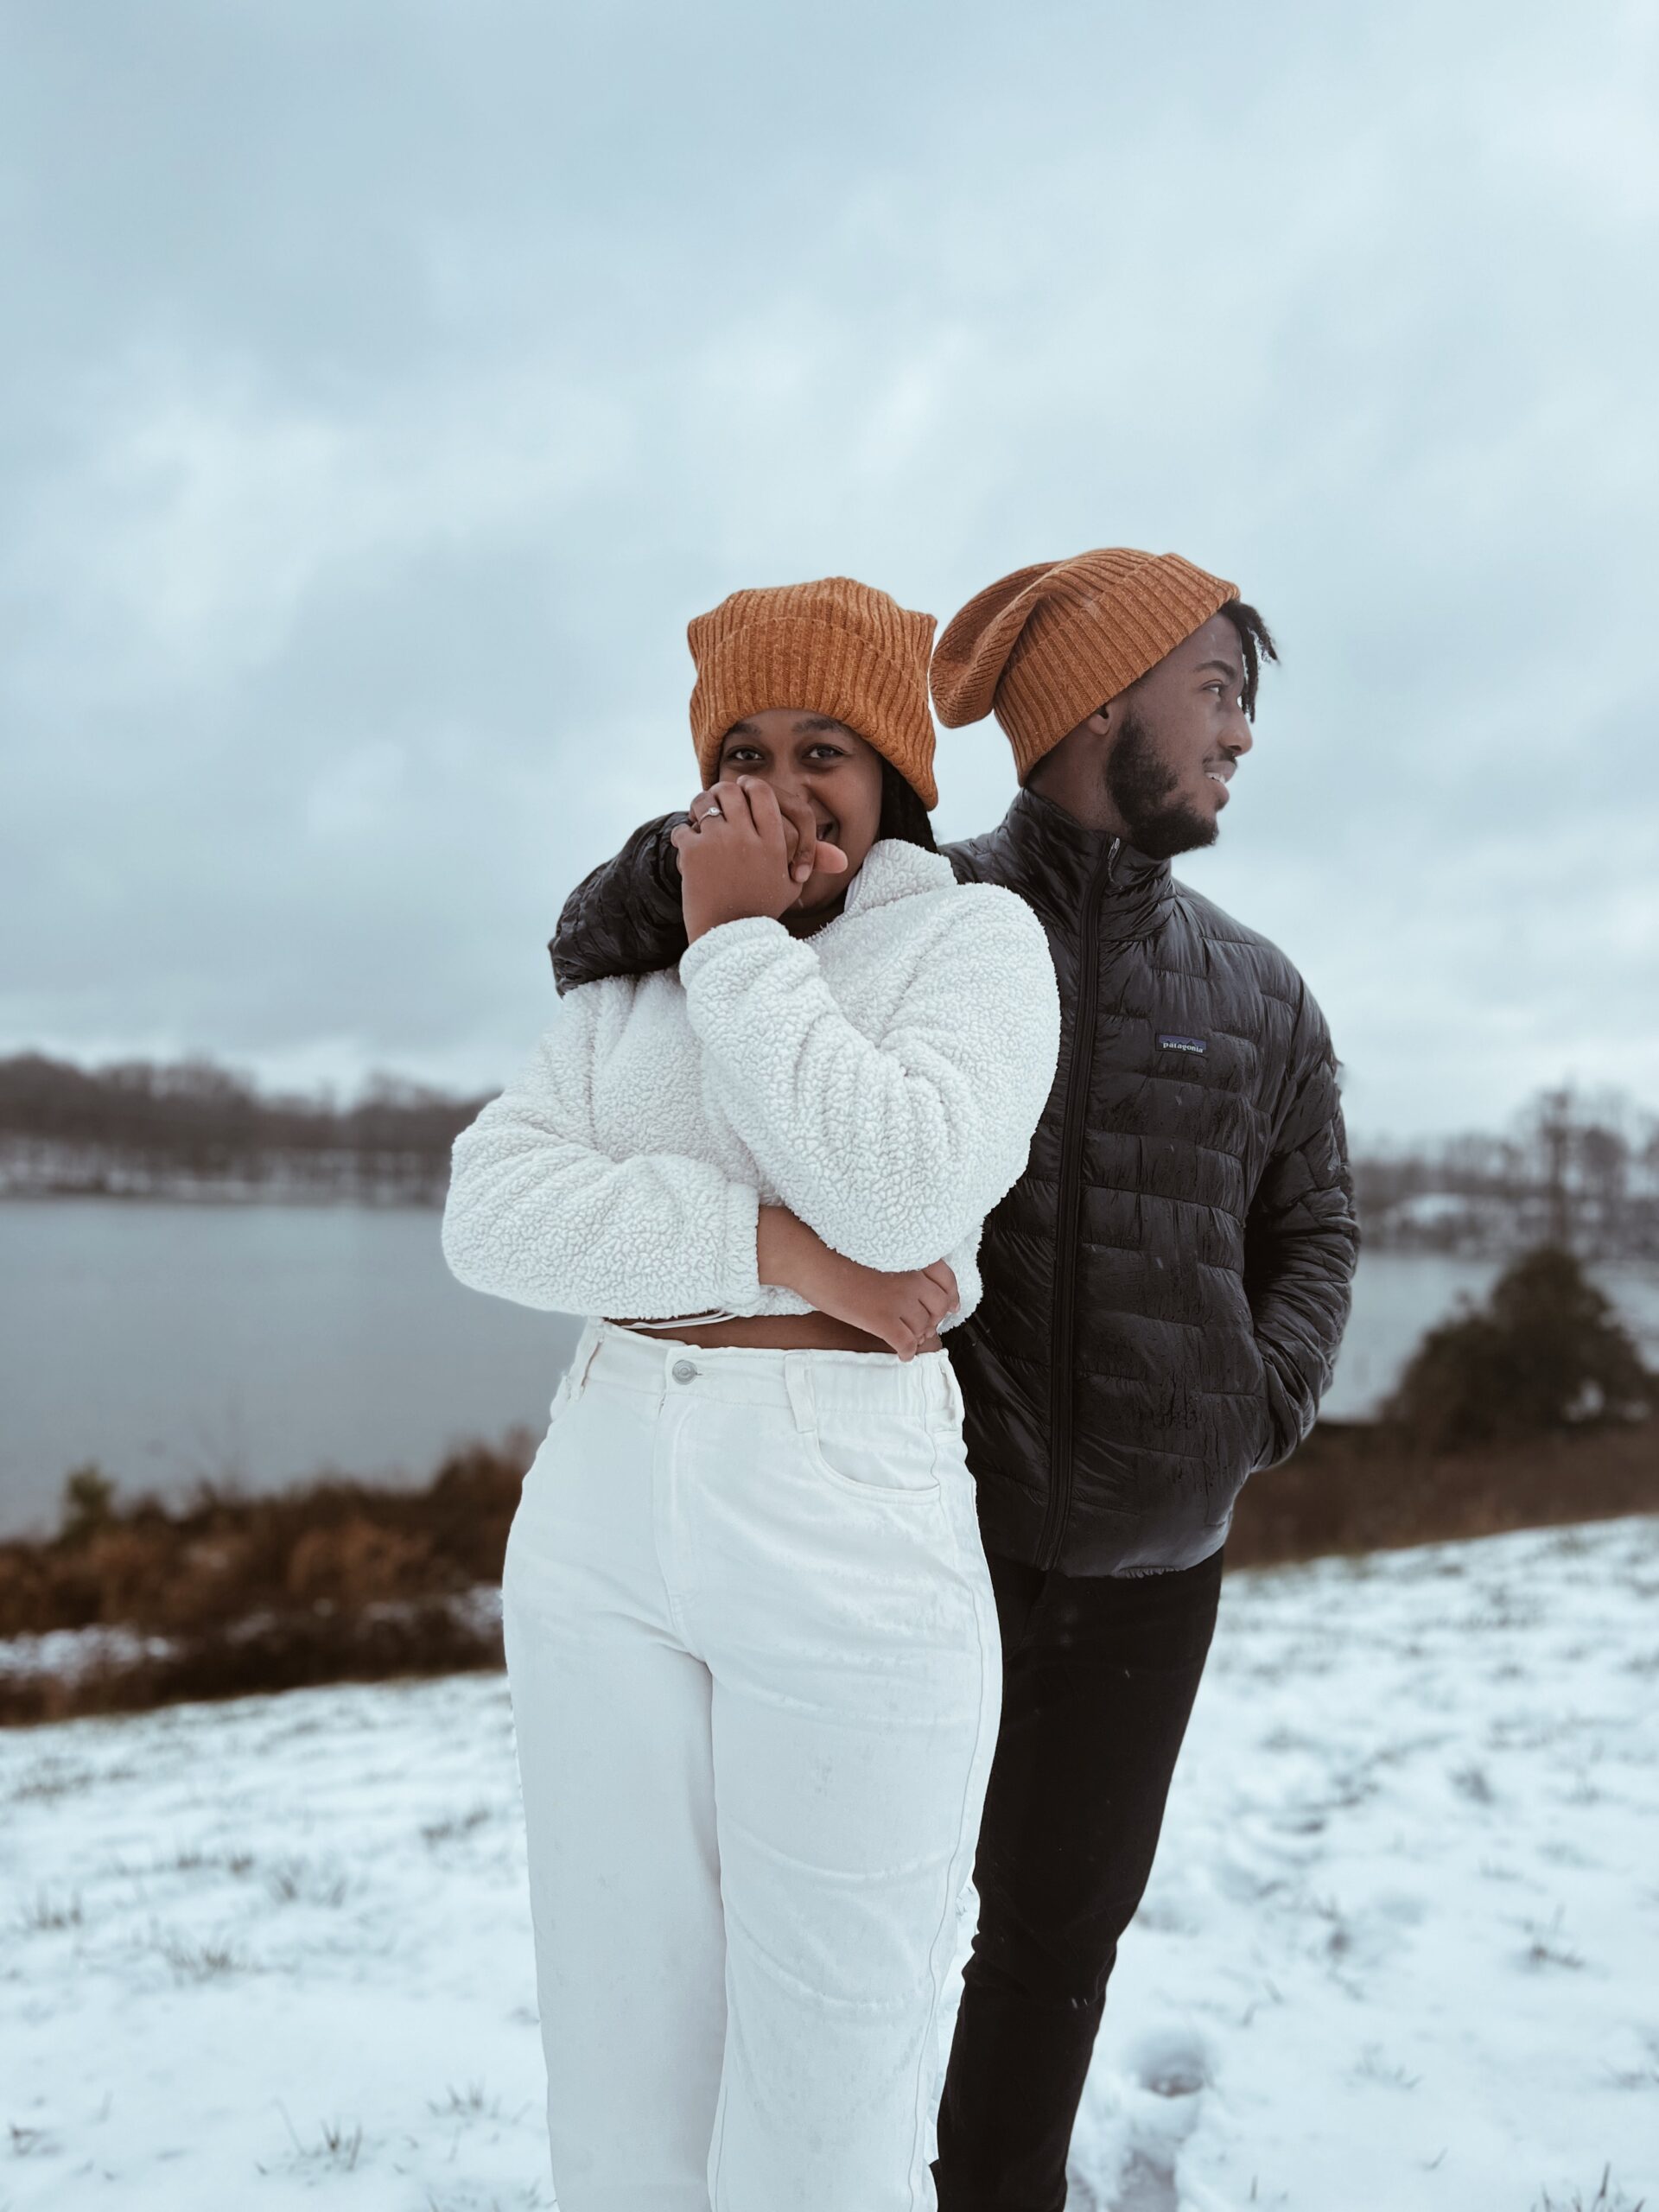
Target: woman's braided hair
x,y
903,815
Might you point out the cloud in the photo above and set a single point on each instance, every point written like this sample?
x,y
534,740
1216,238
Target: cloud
x,y
391,388
202,513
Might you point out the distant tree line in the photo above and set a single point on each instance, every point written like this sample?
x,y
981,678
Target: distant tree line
x,y
143,1129
1580,1172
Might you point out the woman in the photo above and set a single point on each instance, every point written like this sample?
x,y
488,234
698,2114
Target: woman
x,y
750,1634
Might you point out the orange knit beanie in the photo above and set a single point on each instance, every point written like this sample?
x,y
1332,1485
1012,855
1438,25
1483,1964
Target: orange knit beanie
x,y
1050,644
835,647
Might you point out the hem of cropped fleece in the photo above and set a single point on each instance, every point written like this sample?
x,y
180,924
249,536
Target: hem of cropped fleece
x,y
755,1672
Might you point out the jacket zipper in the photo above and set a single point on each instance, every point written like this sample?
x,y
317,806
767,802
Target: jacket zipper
x,y
1073,1128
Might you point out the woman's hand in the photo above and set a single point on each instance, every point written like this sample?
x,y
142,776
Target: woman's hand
x,y
903,1310
731,800
736,863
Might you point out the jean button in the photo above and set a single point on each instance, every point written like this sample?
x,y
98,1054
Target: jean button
x,y
683,1371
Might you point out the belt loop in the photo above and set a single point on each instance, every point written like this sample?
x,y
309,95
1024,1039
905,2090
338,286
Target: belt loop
x,y
797,1380
951,1389
587,1351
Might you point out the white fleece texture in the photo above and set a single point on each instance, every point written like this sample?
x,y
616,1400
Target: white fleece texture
x,y
882,1079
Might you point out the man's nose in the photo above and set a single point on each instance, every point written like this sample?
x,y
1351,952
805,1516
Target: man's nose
x,y
1241,737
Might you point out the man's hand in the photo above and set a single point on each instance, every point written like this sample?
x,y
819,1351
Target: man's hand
x,y
806,854
903,1310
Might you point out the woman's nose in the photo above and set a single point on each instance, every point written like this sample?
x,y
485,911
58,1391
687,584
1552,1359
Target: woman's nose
x,y
791,790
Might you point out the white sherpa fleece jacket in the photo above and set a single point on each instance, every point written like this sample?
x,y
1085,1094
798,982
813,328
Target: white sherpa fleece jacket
x,y
882,1079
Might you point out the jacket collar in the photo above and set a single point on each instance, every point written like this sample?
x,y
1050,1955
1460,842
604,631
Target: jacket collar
x,y
894,869
1051,859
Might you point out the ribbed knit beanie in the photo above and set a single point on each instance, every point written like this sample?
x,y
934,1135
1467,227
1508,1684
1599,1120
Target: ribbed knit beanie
x,y
835,647
1050,644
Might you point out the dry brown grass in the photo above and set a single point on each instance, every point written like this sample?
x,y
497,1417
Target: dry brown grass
x,y
1356,1486
274,1651
332,1543
345,1582
339,1581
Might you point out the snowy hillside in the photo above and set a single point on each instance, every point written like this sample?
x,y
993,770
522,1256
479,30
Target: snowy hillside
x,y
1401,1952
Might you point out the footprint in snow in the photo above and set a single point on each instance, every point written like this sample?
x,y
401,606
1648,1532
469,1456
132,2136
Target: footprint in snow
x,y
1165,2074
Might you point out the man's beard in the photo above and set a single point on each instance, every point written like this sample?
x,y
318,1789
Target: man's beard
x,y
1139,783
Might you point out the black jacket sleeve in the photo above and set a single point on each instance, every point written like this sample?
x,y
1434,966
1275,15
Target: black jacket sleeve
x,y
625,918
1301,1240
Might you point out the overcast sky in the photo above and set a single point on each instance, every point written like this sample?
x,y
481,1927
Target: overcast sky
x,y
385,385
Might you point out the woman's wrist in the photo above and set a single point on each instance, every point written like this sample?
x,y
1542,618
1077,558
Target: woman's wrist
x,y
786,1251
700,916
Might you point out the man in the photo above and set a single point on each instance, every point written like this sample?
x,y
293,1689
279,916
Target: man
x,y
1165,1288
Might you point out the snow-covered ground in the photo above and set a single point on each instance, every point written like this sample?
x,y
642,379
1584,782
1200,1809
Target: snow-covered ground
x,y
1401,1953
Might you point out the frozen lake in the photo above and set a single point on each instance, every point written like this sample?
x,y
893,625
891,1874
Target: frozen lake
x,y
260,1344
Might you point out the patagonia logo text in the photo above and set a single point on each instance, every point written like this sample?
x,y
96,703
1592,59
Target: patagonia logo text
x,y
1184,1044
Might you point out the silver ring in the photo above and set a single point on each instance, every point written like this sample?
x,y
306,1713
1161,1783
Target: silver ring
x,y
710,814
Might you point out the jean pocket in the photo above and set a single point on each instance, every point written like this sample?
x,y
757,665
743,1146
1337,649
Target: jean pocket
x,y
898,1461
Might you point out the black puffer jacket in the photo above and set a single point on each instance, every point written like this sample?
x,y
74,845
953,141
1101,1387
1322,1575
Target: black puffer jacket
x,y
1166,1285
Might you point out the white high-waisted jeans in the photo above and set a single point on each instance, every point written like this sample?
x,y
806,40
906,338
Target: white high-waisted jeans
x,y
755,1675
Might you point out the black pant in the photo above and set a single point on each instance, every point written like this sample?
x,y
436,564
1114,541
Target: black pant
x,y
1099,1676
